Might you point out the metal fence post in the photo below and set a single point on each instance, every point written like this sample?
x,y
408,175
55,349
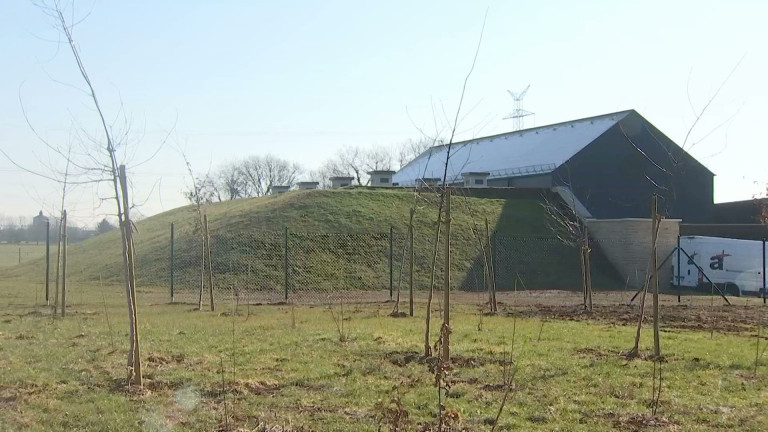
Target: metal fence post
x,y
285,261
764,271
678,280
173,294
391,234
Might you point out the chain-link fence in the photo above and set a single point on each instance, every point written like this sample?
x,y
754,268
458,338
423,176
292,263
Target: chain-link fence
x,y
307,267
320,267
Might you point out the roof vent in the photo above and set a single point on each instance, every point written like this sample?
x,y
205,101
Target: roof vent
x,y
279,189
340,181
475,179
381,178
307,185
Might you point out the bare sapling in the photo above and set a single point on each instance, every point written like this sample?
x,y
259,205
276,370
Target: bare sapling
x,y
509,370
428,316
97,162
396,308
57,285
445,329
491,272
570,228
410,261
443,192
635,351
209,269
64,264
339,321
134,357
655,276
195,195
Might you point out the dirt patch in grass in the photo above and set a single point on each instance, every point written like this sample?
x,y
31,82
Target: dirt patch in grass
x,y
242,388
24,336
10,395
150,385
591,353
723,318
158,360
641,422
403,358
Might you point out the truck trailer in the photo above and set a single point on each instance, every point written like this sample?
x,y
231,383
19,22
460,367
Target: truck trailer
x,y
736,266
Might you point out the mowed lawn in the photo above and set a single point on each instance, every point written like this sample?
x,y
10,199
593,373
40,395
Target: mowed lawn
x,y
278,367
10,252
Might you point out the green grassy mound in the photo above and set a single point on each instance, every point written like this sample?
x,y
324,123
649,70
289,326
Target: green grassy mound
x,y
340,240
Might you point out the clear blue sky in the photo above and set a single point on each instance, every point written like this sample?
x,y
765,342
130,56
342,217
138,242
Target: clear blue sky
x,y
302,79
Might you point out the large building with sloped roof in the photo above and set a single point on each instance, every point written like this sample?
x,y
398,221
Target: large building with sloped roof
x,y
610,165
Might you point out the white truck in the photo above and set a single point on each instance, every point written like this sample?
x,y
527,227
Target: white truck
x,y
736,266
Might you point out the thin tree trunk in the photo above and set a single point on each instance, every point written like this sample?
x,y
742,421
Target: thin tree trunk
x,y
202,268
47,262
210,264
588,272
491,274
427,346
58,267
446,328
396,308
648,276
583,275
134,358
64,264
410,261
655,272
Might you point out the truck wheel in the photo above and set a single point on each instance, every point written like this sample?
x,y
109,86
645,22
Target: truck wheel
x,y
732,289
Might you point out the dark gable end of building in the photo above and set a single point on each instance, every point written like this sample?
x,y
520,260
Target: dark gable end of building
x,y
617,173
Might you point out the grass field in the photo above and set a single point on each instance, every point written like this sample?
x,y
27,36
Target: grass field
x,y
9,253
274,367
287,368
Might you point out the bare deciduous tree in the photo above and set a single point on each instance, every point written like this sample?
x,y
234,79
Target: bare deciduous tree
x,y
409,150
230,182
96,161
202,191
258,174
571,229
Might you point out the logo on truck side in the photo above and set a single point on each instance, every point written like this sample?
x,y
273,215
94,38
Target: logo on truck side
x,y
718,260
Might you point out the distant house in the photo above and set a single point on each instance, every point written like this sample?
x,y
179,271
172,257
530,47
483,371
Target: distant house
x,y
40,220
610,164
